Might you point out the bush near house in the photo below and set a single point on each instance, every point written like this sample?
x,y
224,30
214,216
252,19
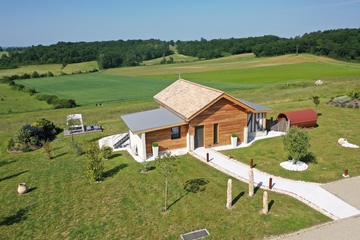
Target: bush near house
x,y
32,137
106,152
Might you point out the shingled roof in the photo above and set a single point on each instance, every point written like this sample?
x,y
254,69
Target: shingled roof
x,y
186,98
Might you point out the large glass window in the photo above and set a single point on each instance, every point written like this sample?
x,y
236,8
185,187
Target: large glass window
x,y
175,132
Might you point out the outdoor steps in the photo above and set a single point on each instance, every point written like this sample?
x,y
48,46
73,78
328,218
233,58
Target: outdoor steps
x,y
120,141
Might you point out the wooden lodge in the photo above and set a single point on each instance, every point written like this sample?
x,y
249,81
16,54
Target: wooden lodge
x,y
191,115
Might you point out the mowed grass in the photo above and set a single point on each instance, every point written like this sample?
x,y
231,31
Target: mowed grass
x,y
329,160
64,204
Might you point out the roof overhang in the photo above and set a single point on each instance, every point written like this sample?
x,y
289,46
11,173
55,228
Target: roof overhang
x,y
151,120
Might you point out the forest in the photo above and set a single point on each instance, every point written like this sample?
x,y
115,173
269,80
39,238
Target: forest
x,y
342,44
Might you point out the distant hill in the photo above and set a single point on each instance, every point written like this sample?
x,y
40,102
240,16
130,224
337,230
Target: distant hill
x,y
343,44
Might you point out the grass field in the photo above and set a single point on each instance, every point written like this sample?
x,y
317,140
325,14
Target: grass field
x,y
98,88
112,86
64,204
54,68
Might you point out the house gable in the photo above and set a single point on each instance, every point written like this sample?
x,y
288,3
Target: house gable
x,y
227,115
186,98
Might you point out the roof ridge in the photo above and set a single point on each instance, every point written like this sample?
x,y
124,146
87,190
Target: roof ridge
x,y
200,85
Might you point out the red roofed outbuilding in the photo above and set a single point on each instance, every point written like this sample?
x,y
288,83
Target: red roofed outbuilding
x,y
302,118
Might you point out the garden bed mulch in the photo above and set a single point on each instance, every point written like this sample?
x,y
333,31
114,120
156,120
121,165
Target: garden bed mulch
x,y
353,103
32,148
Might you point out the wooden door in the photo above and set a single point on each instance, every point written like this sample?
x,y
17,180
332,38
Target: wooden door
x,y
199,136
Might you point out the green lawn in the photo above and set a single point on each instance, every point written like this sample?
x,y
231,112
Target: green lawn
x,y
63,203
330,159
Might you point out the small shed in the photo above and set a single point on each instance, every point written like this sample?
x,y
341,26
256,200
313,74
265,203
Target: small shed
x,y
302,118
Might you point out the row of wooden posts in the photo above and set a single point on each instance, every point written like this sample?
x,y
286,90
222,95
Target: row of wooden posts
x,y
265,209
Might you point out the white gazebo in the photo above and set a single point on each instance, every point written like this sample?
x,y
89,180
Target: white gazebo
x,y
75,127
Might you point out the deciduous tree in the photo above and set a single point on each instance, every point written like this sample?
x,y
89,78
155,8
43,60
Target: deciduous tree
x,y
296,143
167,166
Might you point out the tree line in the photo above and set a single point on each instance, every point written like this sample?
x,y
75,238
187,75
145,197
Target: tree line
x,y
108,54
343,44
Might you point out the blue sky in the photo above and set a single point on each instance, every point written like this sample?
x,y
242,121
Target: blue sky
x,y
26,23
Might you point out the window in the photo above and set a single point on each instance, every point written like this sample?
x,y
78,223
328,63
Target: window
x,y
216,130
175,132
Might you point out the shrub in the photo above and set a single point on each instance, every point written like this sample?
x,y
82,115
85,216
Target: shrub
x,y
233,135
48,148
356,106
25,76
47,126
354,94
64,103
23,136
35,74
32,135
49,99
145,166
30,91
350,106
336,104
26,148
296,143
106,152
95,166
11,144
34,140
343,105
342,99
155,144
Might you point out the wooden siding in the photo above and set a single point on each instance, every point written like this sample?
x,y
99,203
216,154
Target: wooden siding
x,y
231,119
163,138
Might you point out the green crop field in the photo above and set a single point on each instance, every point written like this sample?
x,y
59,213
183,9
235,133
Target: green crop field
x,y
98,88
226,74
64,204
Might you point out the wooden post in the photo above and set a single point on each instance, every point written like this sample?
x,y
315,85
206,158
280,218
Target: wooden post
x,y
251,182
270,183
251,163
265,203
346,172
207,157
229,194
